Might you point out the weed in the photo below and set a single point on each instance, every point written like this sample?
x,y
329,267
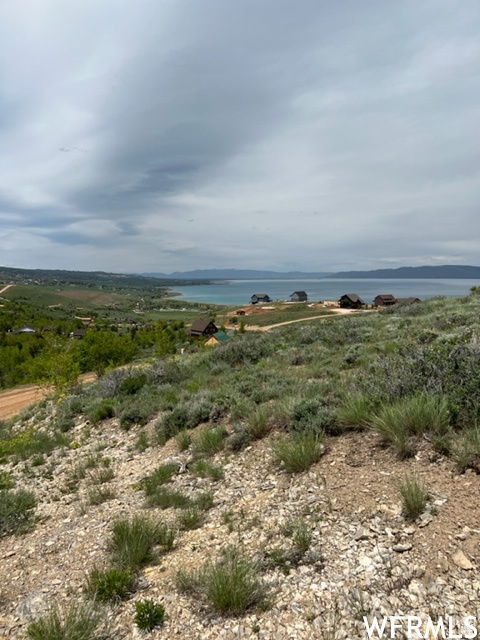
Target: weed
x,y
160,476
204,500
101,476
356,410
209,441
98,495
466,449
206,469
414,496
142,442
165,498
16,511
411,416
148,614
184,440
133,540
109,585
77,621
190,518
300,533
258,424
231,584
299,451
165,536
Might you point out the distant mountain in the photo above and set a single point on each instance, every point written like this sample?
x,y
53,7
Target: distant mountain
x,y
457,271
237,274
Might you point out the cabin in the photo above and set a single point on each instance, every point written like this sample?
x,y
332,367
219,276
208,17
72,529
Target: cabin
x,y
351,301
203,327
299,296
217,338
78,334
411,300
27,328
384,300
260,297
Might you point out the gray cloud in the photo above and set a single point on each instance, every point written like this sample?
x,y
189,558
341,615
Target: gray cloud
x,y
183,134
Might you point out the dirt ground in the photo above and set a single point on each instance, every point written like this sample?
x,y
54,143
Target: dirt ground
x,y
14,400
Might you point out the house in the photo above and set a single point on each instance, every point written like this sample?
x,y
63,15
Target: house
x,y
384,300
78,334
27,328
217,338
411,300
351,301
260,297
202,327
299,296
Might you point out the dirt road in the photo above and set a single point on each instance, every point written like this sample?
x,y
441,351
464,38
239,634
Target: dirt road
x,y
338,312
14,400
5,288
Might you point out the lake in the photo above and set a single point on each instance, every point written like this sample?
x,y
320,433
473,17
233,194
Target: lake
x,y
239,292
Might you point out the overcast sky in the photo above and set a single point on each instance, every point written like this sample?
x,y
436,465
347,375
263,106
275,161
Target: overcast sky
x,y
163,135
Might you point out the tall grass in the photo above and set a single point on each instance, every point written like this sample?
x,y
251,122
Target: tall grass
x,y
299,451
414,496
413,416
77,621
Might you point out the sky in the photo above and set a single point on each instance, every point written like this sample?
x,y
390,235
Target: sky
x,y
169,135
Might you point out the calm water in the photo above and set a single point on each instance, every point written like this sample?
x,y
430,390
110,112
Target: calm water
x,y
239,292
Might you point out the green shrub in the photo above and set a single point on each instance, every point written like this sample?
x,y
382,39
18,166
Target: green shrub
x,y
204,500
206,469
133,541
414,496
231,584
142,442
239,439
149,614
190,518
98,495
16,511
165,498
109,584
300,533
184,440
6,480
77,621
100,410
160,476
299,451
312,414
165,536
465,449
209,441
132,385
173,422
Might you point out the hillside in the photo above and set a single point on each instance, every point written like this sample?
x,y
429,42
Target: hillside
x,y
455,271
268,468
238,274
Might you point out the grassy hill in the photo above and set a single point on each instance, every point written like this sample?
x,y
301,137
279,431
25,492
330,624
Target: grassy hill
x,y
285,484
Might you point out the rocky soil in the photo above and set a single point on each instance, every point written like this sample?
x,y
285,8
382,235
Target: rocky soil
x,y
365,558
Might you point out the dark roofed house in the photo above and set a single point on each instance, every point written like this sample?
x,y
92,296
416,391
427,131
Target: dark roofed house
x,y
203,327
299,296
384,300
260,297
78,334
351,301
411,300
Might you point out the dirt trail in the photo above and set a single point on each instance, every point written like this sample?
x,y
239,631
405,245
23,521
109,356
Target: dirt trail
x,y
14,400
339,312
5,288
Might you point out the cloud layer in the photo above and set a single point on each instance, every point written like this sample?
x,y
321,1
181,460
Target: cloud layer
x,y
162,136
